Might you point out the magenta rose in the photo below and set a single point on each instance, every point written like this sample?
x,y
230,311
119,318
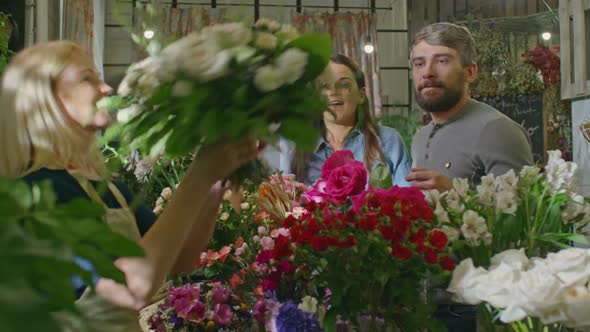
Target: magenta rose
x,y
342,177
337,159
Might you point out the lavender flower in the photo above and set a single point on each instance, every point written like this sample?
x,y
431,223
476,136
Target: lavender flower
x,y
292,319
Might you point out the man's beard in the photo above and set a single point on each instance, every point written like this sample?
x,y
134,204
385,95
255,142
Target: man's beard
x,y
443,103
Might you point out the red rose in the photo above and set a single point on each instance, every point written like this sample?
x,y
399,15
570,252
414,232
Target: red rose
x,y
430,256
438,239
319,243
447,263
401,252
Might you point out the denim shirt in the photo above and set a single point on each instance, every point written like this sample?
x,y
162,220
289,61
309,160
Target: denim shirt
x,y
395,153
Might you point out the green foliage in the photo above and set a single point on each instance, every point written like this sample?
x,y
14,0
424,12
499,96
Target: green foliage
x,y
38,242
5,28
498,73
380,177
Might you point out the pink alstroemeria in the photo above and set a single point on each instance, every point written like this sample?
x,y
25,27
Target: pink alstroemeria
x,y
220,294
222,314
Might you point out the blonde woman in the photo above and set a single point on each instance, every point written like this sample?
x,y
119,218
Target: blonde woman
x,y
48,126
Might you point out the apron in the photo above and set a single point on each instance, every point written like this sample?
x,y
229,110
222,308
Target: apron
x,y
99,315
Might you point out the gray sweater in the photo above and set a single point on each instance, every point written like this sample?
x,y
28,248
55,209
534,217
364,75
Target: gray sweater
x,y
477,141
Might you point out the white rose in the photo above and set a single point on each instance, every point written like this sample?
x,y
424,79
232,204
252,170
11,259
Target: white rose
x,y
179,49
571,266
228,35
292,64
266,41
461,186
224,216
536,294
243,53
182,88
451,233
497,289
266,23
207,65
515,258
577,306
288,33
245,206
268,78
309,304
487,238
126,114
465,282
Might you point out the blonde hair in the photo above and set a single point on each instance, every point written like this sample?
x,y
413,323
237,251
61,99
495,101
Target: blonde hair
x,y
35,132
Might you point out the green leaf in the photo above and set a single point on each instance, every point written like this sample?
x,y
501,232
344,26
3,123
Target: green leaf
x,y
578,238
103,265
319,48
380,177
302,133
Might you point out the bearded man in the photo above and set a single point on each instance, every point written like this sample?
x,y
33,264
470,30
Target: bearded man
x,y
466,138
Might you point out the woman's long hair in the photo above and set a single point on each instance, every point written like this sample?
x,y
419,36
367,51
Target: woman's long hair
x,y
364,120
35,131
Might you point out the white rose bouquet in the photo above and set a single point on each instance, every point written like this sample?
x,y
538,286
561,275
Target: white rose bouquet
x,y
554,290
225,82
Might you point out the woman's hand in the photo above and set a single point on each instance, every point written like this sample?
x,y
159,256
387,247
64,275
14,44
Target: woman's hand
x,y
139,287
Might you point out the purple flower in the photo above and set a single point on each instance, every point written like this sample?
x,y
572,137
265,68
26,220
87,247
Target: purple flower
x,y
292,319
194,312
220,293
181,297
222,314
260,311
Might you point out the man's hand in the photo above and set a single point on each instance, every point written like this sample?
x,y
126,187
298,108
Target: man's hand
x,y
427,179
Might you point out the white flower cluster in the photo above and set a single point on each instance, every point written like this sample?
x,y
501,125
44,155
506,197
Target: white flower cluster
x,y
207,55
560,173
500,192
555,289
161,202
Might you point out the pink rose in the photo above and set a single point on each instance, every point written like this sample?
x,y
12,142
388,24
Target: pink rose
x,y
342,177
337,159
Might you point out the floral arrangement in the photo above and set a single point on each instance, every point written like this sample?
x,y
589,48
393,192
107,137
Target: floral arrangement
x,y
547,62
227,81
533,214
554,289
205,306
539,212
363,251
